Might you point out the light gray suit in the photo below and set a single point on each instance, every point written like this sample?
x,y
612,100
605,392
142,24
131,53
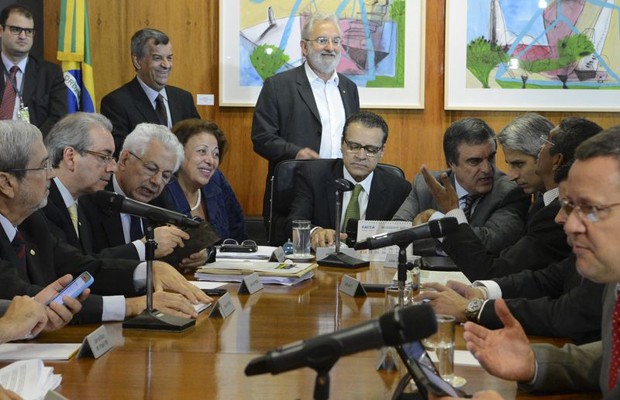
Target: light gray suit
x,y
578,368
498,218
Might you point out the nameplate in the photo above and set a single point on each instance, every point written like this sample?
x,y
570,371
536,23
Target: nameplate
x,y
278,255
223,308
352,287
250,284
96,344
53,395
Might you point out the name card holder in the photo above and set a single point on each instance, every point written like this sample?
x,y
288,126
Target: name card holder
x,y
223,307
278,255
96,343
250,284
352,287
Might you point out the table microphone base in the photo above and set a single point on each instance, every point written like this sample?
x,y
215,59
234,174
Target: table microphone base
x,y
342,260
157,321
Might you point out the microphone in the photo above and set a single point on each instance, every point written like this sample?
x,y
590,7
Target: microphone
x,y
351,231
393,328
118,202
343,185
432,229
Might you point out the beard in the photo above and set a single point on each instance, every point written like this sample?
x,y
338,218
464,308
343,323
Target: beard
x,y
325,64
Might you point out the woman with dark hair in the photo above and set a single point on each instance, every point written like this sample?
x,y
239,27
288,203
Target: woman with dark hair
x,y
201,190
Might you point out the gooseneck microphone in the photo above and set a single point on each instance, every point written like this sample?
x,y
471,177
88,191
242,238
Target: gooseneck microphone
x,y
118,202
343,185
432,229
393,328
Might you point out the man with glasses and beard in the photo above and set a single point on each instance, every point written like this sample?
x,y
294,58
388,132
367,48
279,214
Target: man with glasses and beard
x,y
300,113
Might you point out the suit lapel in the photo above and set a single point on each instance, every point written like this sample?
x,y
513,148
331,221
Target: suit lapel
x,y
65,219
31,81
142,104
8,253
331,192
86,236
305,91
377,196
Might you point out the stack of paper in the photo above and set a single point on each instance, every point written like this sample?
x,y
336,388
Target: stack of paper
x,y
286,273
29,378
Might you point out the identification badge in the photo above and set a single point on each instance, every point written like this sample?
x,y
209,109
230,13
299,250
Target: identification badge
x,y
23,114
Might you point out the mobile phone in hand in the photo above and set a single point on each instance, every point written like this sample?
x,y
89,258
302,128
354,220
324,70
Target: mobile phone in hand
x,y
75,288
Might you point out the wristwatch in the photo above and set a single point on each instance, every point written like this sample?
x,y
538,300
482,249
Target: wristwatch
x,y
473,309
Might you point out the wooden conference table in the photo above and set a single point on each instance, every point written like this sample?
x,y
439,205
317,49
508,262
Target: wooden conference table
x,y
207,361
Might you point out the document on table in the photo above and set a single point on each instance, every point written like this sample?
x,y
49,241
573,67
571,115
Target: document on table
x,y
43,351
29,378
366,229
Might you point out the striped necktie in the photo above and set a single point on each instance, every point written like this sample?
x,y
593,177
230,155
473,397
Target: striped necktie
x,y
468,202
8,96
160,107
614,365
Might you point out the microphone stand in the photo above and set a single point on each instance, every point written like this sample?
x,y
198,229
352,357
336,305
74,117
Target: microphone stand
x,y
338,259
403,267
321,383
151,319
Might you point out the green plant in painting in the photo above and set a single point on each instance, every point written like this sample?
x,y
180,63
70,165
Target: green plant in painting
x,y
570,50
482,57
267,59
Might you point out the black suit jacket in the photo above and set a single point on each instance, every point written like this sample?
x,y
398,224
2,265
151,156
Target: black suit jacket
x,y
128,106
45,93
315,193
48,258
543,243
286,118
62,227
554,301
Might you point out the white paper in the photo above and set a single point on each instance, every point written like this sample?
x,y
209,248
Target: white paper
x,y
206,285
366,229
29,378
461,357
43,351
443,277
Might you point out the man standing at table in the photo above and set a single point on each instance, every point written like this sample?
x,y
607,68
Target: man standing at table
x,y
300,113
32,90
593,229
147,97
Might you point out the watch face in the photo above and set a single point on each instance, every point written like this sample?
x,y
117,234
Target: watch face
x,y
474,305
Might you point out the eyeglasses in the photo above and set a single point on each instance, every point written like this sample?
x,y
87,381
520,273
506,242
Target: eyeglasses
x,y
153,169
47,167
354,147
544,139
323,41
235,243
17,30
103,157
585,211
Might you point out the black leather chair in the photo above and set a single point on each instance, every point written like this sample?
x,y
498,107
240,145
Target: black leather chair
x,y
283,193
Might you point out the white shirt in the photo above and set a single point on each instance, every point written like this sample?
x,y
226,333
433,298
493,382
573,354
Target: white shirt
x,y
362,199
19,76
126,223
331,110
152,95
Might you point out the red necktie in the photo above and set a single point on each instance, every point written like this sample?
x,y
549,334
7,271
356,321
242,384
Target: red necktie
x,y
614,365
19,245
8,96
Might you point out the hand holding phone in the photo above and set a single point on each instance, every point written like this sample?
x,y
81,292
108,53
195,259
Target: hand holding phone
x,y
75,288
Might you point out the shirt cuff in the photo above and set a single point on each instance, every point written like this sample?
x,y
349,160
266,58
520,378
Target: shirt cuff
x,y
139,277
113,308
140,248
492,288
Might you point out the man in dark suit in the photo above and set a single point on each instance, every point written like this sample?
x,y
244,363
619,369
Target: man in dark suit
x,y
543,241
31,257
593,229
377,195
32,90
147,97
474,191
300,113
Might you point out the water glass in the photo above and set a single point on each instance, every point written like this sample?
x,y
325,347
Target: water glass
x,y
442,344
301,238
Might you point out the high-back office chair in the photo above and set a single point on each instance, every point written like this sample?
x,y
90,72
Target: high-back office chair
x,y
283,193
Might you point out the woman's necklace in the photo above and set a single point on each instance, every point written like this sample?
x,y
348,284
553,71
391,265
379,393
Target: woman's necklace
x,y
197,202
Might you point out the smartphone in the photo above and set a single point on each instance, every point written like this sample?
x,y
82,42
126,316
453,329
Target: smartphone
x,y
75,288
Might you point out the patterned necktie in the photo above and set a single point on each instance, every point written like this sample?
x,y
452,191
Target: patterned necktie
x,y
614,365
468,201
135,229
353,208
8,96
19,245
74,217
160,107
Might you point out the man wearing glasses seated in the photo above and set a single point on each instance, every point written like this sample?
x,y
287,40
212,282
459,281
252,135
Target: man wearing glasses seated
x,y
150,156
377,193
32,90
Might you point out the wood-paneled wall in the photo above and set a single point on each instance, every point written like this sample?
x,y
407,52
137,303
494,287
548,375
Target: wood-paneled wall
x,y
193,26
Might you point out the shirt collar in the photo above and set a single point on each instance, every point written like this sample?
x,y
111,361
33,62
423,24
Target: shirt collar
x,y
116,186
551,195
9,63
150,92
366,183
312,76
67,198
460,191
8,227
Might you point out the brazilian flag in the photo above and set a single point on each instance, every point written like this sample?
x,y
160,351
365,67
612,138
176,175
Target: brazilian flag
x,y
74,52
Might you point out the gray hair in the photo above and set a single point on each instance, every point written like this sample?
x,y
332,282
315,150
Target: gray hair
x,y
316,18
17,139
138,140
524,133
140,39
72,131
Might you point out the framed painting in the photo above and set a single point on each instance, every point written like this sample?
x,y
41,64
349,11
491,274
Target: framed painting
x,y
382,47
555,55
